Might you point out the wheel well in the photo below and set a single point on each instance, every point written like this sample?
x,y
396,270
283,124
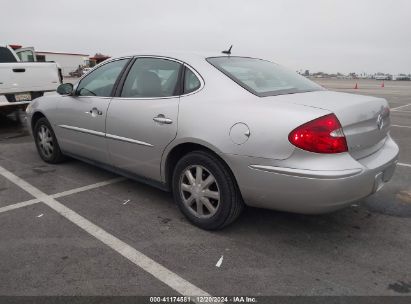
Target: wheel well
x,y
35,118
179,151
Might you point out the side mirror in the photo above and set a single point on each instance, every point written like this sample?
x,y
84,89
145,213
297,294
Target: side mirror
x,y
65,89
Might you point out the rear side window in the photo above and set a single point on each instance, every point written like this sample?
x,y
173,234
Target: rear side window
x,y
152,77
6,55
26,56
191,81
261,77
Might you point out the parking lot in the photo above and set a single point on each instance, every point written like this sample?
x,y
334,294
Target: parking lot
x,y
74,229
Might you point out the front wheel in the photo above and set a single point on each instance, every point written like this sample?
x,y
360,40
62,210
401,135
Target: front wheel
x,y
205,191
46,142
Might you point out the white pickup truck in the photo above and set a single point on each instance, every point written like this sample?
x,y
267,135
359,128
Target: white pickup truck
x,y
22,78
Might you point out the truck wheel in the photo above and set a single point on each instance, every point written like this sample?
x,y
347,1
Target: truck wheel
x,y
10,97
46,142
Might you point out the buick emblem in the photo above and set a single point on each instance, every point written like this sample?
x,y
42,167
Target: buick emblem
x,y
380,122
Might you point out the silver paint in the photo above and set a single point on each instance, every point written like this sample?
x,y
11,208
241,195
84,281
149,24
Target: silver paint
x,y
269,170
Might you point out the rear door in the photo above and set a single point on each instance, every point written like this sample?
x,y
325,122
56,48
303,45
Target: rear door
x,y
142,119
81,125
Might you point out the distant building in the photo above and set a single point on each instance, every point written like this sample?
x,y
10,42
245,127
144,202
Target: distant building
x,y
68,62
98,58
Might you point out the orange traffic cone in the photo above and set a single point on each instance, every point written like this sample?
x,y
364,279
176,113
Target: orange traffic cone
x,y
382,84
356,86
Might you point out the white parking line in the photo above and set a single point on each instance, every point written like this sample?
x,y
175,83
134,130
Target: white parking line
x,y
398,126
401,111
158,271
404,165
19,205
400,107
61,194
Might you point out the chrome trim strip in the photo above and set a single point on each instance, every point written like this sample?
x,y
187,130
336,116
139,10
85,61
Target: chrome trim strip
x,y
111,136
321,174
143,98
81,130
99,65
202,82
129,140
200,78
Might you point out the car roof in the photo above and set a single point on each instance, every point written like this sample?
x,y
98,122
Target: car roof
x,y
188,57
178,54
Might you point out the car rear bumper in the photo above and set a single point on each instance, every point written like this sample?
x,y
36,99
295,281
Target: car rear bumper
x,y
335,182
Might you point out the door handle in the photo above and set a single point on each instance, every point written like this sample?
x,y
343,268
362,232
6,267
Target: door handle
x,y
94,112
161,119
19,70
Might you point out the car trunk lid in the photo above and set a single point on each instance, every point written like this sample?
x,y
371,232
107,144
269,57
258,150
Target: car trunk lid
x,y
365,120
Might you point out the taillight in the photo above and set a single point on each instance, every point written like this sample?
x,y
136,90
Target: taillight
x,y
321,135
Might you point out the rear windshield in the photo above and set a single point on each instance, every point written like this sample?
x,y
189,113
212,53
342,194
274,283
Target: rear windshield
x,y
6,55
263,78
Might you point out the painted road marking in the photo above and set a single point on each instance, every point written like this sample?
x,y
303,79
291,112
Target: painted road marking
x,y
401,111
19,205
61,194
158,271
404,165
398,126
400,107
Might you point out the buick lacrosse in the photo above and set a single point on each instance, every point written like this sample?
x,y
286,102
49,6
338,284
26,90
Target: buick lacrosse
x,y
220,132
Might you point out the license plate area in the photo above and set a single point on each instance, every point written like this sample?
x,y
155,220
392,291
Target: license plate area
x,y
23,97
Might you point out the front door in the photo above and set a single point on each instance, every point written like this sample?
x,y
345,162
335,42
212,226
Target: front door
x,y
81,118
142,120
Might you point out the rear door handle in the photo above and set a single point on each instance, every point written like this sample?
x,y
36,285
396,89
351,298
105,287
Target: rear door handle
x,y
19,70
161,119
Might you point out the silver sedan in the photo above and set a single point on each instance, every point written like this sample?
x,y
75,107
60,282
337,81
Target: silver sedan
x,y
220,132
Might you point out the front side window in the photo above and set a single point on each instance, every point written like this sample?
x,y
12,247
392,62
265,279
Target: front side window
x,y
191,82
101,81
152,77
263,78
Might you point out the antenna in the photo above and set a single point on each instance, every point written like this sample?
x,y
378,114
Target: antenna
x,y
228,52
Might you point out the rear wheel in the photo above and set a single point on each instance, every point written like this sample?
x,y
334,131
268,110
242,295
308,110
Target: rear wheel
x,y
46,142
205,191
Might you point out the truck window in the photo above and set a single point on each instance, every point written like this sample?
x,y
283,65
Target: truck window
x,y
26,56
6,55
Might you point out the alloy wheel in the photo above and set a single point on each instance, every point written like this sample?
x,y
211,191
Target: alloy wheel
x,y
199,191
45,141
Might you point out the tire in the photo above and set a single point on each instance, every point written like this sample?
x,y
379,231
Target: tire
x,y
48,149
225,207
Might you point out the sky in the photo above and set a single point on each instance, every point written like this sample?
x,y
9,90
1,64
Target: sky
x,y
363,36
